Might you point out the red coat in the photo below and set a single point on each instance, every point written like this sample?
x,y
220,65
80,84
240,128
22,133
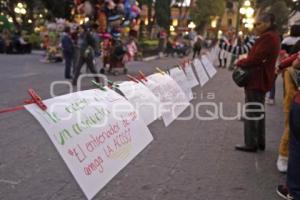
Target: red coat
x,y
288,61
263,56
297,98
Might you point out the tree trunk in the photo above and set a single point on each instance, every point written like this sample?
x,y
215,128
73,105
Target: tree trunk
x,y
150,23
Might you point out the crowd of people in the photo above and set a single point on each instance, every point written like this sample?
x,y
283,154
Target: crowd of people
x,y
269,55
12,42
181,45
84,45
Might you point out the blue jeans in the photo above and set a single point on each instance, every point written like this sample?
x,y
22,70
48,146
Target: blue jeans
x,y
293,175
273,90
69,57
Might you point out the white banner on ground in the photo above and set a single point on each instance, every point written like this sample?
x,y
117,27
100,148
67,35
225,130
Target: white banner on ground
x,y
208,66
94,138
173,99
203,77
191,77
144,101
179,76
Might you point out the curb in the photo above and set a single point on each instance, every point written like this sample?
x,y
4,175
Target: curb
x,y
38,52
151,58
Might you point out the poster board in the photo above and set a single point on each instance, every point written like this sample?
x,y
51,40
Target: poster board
x,y
173,99
93,137
179,76
191,77
208,66
203,77
143,100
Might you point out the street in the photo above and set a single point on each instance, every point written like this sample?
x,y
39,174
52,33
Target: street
x,y
191,160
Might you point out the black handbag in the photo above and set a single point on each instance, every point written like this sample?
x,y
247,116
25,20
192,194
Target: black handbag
x,y
241,76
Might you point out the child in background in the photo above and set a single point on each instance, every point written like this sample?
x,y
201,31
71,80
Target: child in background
x,y
292,189
271,96
106,47
291,66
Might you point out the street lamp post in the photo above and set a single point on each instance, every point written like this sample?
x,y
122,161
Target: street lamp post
x,y
192,25
247,12
238,18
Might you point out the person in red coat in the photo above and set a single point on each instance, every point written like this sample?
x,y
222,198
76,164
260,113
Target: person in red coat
x,y
261,62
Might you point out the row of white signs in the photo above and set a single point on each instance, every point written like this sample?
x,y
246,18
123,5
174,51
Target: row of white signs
x,y
97,133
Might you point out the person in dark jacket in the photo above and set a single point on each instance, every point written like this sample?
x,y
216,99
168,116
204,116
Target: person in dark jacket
x,y
293,175
68,52
87,46
292,41
292,189
197,48
261,62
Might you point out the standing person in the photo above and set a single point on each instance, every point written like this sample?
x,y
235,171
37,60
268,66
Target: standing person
x,y
106,46
193,37
289,45
293,175
75,38
131,50
2,43
68,51
162,35
292,190
7,40
290,89
169,47
289,42
117,53
223,54
270,99
238,49
97,38
87,45
197,47
261,61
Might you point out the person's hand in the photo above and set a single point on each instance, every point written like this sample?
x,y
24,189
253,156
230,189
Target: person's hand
x,y
235,62
278,70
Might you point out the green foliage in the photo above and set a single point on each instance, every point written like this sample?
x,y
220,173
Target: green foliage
x,y
146,2
149,43
5,24
204,10
34,39
163,13
59,8
49,9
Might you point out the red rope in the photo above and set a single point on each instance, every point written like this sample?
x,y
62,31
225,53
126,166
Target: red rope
x,y
7,110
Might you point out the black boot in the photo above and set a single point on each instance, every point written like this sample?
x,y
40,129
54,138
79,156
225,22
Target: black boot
x,y
245,148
